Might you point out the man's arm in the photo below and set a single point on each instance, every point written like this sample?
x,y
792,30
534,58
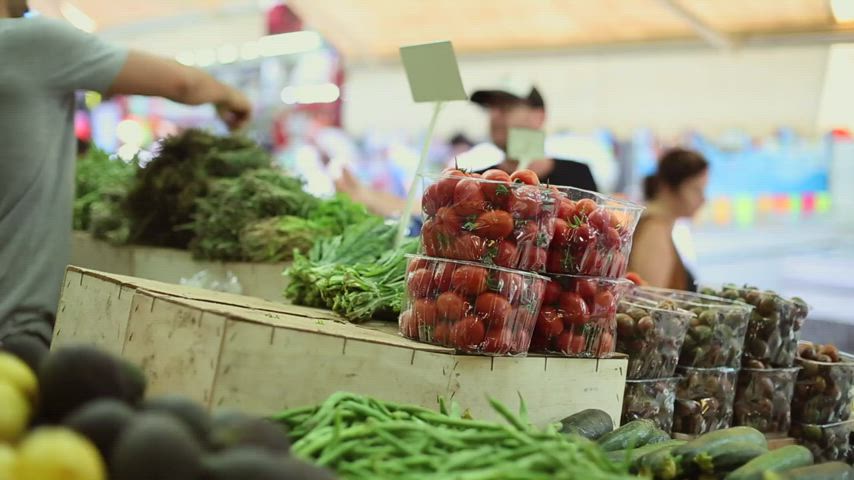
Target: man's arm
x,y
145,74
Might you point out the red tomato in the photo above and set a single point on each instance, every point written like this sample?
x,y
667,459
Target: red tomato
x,y
578,344
450,306
510,285
584,207
468,198
586,287
507,255
525,176
442,333
563,342
599,219
559,261
420,283
497,190
563,233
430,238
618,266
619,221
533,259
552,293
407,325
591,262
635,278
417,263
468,333
606,344
431,200
449,219
582,236
493,309
565,209
442,274
526,202
573,308
467,247
453,171
448,184
497,340
425,312
521,342
604,302
611,238
469,280
493,225
549,323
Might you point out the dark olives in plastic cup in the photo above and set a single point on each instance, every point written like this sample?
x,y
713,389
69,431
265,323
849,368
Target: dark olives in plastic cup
x,y
827,442
823,391
650,399
704,400
763,399
651,334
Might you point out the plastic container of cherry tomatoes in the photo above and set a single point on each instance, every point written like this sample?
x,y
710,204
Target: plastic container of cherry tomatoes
x,y
592,234
494,219
470,307
578,316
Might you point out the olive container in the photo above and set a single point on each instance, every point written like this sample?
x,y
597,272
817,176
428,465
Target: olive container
x,y
826,442
650,399
823,392
704,399
651,334
763,399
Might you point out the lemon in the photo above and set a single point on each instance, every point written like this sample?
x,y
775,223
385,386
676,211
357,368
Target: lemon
x,y
13,370
53,453
14,414
7,460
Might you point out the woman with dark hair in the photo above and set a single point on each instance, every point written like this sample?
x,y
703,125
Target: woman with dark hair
x,y
676,190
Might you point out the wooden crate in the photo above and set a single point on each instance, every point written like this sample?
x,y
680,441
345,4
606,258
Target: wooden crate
x,y
262,280
224,354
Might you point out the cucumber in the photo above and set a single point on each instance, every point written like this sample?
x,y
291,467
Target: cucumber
x,y
633,434
724,457
717,440
660,464
659,436
591,423
785,458
633,454
823,471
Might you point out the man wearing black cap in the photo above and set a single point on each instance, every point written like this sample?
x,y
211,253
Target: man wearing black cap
x,y
518,104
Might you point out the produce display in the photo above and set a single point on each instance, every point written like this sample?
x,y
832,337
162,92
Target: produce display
x,y
493,219
775,325
101,184
826,442
716,335
650,399
578,316
592,234
704,399
651,334
763,399
779,460
470,307
365,438
823,392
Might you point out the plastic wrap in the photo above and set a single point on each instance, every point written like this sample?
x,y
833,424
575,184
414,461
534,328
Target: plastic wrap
x,y
774,330
470,307
489,222
826,442
209,281
704,399
577,318
651,399
651,334
592,234
763,399
823,392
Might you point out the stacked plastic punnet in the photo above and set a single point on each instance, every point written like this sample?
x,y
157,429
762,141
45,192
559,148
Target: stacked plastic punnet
x,y
509,265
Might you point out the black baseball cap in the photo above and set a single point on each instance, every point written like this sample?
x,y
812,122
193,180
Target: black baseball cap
x,y
510,90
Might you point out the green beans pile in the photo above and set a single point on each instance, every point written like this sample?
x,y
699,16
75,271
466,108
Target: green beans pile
x,y
366,438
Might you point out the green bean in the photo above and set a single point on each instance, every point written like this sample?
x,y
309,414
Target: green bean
x,y
508,415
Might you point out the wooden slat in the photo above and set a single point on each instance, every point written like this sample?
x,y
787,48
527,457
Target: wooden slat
x,y
745,16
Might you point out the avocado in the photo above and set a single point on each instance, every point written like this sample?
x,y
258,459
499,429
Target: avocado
x,y
191,413
28,348
156,446
234,429
246,463
102,422
72,376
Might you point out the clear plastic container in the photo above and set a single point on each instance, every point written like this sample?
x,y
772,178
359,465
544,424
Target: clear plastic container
x,y
651,334
826,442
651,399
775,327
578,316
592,234
470,307
823,392
704,399
763,399
715,336
489,222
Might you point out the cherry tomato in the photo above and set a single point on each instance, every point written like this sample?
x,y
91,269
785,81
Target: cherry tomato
x,y
549,323
582,236
562,343
442,333
442,274
635,278
468,198
584,207
586,287
424,311
552,293
507,255
559,261
619,221
497,190
599,219
493,309
420,283
577,345
417,263
574,308
468,333
432,200
467,247
526,231
563,233
430,238
533,259
591,262
521,342
510,285
407,325
618,266
449,219
469,280
448,184
493,225
497,340
604,302
450,306
606,344
612,239
525,176
565,209
526,202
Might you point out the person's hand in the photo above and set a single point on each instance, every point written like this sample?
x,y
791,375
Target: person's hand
x,y
348,184
235,110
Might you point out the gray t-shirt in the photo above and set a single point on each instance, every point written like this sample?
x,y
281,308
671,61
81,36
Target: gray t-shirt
x,y
42,63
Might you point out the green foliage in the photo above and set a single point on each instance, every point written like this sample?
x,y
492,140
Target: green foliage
x,y
98,180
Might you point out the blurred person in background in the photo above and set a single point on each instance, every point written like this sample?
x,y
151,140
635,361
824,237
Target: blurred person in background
x,y
675,191
460,144
43,63
516,103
